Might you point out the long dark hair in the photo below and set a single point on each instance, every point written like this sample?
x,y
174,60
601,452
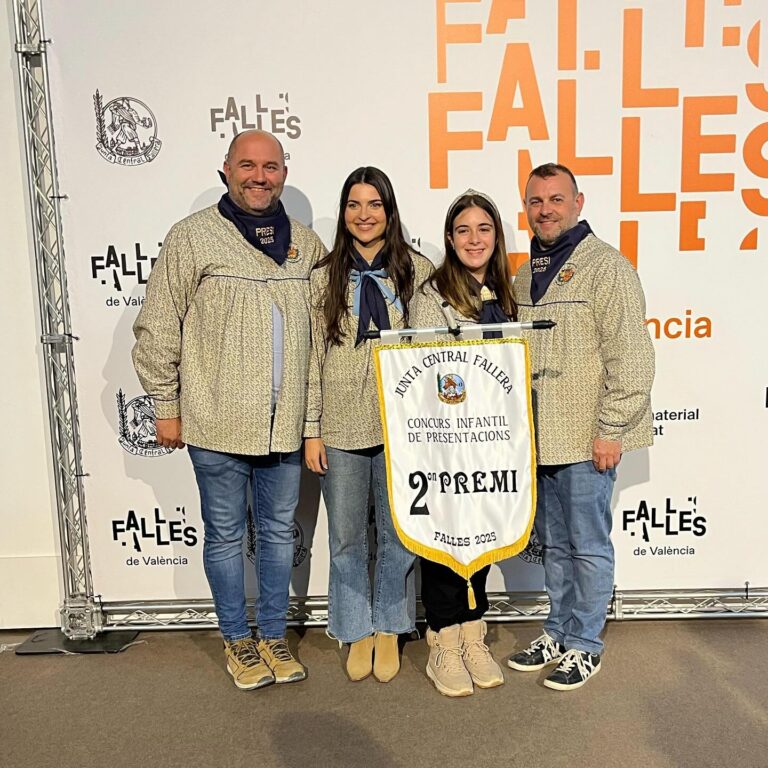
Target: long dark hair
x,y
452,280
395,251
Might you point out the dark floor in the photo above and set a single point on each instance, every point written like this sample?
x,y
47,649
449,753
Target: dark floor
x,y
670,694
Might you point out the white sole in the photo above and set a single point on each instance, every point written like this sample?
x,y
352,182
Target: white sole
x,y
451,692
262,684
292,679
524,668
561,687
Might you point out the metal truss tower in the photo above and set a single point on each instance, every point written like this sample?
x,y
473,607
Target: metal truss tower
x,y
80,617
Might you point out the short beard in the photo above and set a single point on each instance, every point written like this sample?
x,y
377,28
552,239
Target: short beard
x,y
267,211
546,243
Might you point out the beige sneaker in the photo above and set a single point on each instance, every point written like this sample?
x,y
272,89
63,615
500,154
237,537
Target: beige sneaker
x,y
482,667
280,660
445,667
246,666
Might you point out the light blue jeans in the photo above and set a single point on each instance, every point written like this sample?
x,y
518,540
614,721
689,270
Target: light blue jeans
x,y
573,523
355,613
222,479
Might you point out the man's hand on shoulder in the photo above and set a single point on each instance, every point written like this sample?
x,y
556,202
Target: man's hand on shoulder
x,y
606,454
169,433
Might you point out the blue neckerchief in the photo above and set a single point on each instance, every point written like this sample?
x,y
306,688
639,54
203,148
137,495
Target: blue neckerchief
x,y
490,309
545,264
371,295
271,234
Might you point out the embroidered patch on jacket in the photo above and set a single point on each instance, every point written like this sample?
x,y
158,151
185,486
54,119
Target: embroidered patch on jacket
x,y
565,275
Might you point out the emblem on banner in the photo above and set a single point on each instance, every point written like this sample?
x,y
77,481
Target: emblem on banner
x,y
138,433
533,552
451,389
299,550
565,275
126,131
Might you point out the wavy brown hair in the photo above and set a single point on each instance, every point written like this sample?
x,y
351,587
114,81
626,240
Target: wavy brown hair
x,y
396,254
452,280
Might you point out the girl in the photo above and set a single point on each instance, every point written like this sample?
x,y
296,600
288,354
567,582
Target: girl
x,y
366,280
474,281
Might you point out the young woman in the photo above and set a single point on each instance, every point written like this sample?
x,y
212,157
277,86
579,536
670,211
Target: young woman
x,y
475,282
364,283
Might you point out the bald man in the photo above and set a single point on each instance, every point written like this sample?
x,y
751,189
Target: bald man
x,y
222,346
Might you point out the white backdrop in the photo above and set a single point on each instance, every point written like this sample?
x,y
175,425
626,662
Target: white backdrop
x,y
659,108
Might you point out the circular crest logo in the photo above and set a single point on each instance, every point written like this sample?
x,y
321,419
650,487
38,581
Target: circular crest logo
x,y
451,389
299,550
533,552
565,275
138,433
126,131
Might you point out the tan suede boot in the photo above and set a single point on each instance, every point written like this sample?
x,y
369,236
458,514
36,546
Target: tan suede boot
x,y
485,672
445,667
359,661
386,659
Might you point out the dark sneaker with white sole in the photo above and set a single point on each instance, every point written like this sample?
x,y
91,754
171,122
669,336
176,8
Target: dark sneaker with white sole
x,y
574,669
539,654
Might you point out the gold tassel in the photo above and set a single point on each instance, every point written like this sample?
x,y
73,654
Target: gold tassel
x,y
471,596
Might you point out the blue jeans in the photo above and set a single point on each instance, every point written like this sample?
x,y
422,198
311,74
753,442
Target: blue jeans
x,y
573,523
223,482
353,612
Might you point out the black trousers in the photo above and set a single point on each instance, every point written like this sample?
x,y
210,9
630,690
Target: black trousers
x,y
444,595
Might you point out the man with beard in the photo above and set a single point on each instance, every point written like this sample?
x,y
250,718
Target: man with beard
x,y
592,376
222,346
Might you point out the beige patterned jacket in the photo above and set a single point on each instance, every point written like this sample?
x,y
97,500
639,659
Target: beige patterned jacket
x,y
204,336
426,311
592,373
342,400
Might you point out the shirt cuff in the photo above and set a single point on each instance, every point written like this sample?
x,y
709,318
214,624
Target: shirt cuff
x,y
167,409
611,433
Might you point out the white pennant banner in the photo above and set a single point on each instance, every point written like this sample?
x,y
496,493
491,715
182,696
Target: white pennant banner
x,y
458,433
